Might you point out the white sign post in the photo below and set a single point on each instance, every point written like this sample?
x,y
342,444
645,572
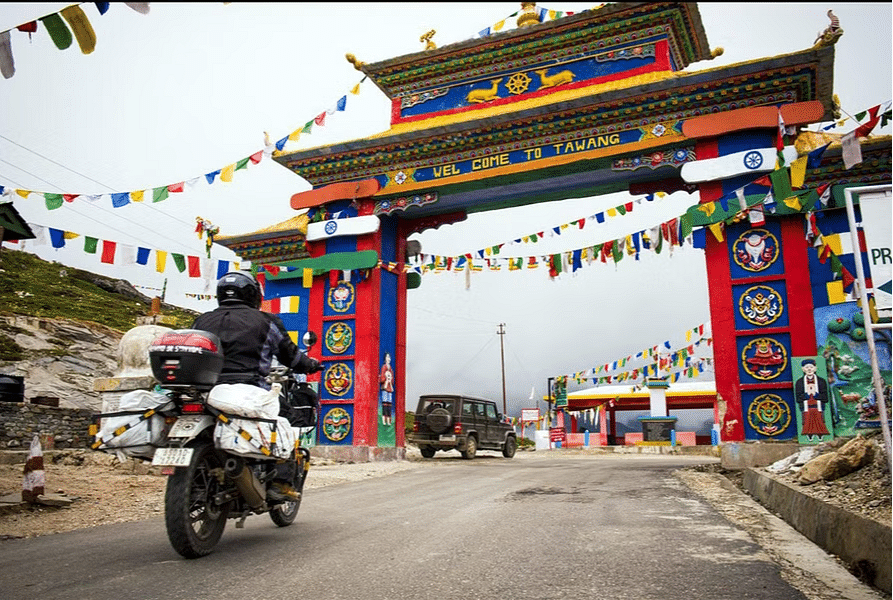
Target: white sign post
x,y
877,380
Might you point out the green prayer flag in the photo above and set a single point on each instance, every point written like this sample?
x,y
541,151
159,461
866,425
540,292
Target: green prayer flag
x,y
159,194
90,244
836,266
179,261
781,184
621,209
53,201
685,227
242,164
616,252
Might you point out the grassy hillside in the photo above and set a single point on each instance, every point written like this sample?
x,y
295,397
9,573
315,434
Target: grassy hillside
x,y
34,287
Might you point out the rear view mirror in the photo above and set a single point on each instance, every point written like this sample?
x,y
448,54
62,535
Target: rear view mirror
x,y
309,339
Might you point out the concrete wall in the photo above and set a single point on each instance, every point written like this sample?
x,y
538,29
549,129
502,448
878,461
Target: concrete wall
x,y
862,543
740,455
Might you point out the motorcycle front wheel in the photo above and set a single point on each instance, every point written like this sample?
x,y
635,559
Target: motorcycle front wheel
x,y
194,524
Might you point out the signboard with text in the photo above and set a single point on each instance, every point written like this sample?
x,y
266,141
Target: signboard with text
x,y
530,414
557,434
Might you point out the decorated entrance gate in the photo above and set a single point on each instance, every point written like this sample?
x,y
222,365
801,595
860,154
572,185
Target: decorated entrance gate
x,y
589,104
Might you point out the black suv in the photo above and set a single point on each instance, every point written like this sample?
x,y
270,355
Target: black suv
x,y
463,423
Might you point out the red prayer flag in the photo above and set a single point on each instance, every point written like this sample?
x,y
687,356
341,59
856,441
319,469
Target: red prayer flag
x,y
69,197
108,252
320,119
255,158
28,27
194,266
175,187
866,127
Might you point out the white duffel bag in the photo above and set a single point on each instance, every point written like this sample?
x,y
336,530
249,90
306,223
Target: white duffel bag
x,y
140,436
244,400
229,436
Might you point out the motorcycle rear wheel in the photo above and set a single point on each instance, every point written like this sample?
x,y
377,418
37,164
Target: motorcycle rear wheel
x,y
194,524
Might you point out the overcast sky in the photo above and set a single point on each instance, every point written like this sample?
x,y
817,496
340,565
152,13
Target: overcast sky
x,y
190,88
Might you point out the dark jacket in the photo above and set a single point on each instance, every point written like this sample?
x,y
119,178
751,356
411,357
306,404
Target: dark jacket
x,y
251,338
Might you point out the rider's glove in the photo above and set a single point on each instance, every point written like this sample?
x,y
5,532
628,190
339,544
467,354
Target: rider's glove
x,y
315,366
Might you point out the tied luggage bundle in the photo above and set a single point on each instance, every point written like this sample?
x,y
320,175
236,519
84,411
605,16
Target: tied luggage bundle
x,y
250,424
136,429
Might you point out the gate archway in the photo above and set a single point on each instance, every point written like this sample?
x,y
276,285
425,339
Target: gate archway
x,y
590,104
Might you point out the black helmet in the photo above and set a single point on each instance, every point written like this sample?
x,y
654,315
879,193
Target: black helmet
x,y
239,287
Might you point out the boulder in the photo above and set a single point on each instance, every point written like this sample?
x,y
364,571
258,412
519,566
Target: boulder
x,y
850,457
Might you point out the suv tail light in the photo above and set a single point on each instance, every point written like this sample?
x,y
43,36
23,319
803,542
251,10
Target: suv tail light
x,y
457,428
415,427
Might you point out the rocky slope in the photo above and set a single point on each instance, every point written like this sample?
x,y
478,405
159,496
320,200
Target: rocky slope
x,y
61,358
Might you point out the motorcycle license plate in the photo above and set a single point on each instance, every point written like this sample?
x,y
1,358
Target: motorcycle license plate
x,y
172,457
187,427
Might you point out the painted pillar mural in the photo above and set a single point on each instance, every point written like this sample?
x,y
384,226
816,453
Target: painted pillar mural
x,y
789,337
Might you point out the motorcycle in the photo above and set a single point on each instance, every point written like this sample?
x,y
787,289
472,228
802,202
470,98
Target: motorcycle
x,y
220,445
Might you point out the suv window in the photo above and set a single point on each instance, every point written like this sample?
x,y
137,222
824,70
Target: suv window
x,y
478,409
431,403
467,410
491,412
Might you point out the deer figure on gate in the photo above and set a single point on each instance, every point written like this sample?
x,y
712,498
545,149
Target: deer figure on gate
x,y
484,95
547,81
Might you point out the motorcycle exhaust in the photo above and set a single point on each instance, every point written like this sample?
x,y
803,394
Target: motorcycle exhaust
x,y
248,485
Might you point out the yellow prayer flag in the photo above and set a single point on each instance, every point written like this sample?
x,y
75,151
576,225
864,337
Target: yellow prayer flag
x,y
307,278
612,212
798,171
226,174
294,135
499,26
708,208
355,90
716,230
793,202
69,235
23,193
137,196
836,295
834,242
160,259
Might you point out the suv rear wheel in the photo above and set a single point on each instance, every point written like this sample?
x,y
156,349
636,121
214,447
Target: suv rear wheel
x,y
508,449
427,451
471,448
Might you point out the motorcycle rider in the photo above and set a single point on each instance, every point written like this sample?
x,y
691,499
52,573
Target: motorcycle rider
x,y
250,339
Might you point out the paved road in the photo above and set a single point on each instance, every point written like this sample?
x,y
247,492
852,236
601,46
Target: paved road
x,y
571,528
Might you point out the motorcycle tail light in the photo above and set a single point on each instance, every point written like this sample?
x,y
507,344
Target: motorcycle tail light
x,y
193,407
457,428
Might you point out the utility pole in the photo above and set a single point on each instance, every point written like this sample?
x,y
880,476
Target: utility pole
x,y
501,333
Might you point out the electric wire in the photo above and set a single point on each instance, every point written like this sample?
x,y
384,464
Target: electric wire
x,y
104,209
